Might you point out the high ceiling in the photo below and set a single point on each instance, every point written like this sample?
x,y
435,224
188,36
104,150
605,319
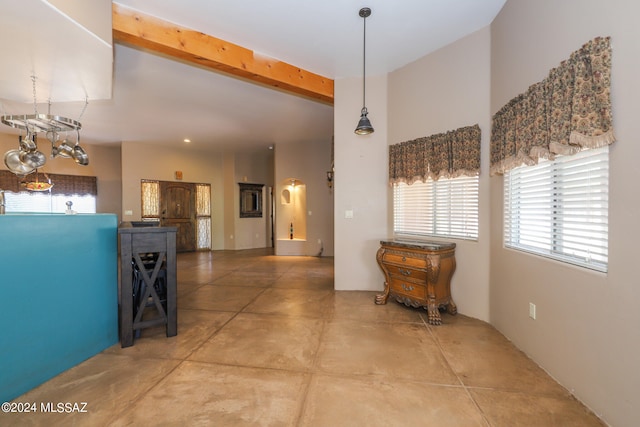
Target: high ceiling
x,y
161,100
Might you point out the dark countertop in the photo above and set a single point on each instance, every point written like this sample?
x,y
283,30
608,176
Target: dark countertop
x,y
417,244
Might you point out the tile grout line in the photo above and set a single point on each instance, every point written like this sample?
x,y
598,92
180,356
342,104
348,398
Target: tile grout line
x,y
464,386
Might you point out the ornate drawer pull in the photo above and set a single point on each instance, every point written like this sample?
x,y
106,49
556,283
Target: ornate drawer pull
x,y
404,272
404,259
407,288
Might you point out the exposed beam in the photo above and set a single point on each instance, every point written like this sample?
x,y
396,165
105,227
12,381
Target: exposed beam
x,y
151,33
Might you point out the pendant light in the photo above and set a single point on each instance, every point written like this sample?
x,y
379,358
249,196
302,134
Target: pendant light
x,y
364,125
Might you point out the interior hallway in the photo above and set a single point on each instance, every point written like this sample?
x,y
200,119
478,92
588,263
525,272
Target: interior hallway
x,y
266,341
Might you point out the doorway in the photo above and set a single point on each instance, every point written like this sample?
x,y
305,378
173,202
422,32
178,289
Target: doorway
x,y
177,209
186,206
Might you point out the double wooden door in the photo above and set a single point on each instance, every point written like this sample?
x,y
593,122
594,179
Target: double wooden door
x,y
178,209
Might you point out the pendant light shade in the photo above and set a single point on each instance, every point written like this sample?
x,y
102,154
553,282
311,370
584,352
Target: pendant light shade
x,y
364,125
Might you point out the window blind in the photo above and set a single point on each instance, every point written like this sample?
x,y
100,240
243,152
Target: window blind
x,y
442,208
559,208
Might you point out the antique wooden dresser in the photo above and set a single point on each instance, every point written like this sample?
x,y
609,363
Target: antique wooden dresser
x,y
418,274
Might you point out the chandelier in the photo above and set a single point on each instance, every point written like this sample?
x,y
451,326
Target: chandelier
x,y
28,157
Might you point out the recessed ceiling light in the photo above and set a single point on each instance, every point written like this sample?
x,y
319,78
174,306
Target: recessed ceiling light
x,y
271,147
187,140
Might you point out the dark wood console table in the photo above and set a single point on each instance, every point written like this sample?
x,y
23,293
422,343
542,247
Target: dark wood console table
x,y
150,253
418,274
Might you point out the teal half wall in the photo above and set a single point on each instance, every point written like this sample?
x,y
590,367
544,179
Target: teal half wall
x,y
58,295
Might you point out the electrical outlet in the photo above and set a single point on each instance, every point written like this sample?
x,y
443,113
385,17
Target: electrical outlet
x,y
532,311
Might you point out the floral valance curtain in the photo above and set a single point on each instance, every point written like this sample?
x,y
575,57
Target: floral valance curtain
x,y
568,111
444,155
62,184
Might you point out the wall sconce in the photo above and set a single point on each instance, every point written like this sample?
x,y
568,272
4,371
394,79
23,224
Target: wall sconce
x,y
330,178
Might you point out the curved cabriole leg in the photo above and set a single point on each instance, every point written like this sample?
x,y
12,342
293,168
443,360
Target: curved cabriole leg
x,y
433,315
382,298
452,308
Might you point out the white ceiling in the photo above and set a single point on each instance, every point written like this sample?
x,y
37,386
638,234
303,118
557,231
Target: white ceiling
x,y
162,101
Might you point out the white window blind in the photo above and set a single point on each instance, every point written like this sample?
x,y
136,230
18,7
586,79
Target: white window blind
x,y
559,208
442,208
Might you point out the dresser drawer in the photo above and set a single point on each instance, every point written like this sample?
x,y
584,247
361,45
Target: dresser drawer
x,y
408,273
409,289
404,260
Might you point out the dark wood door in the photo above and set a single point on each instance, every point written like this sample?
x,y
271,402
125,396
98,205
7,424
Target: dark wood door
x,y
178,209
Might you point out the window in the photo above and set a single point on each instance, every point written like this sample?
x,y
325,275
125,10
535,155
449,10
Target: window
x,y
203,216
559,209
81,191
45,202
150,200
442,208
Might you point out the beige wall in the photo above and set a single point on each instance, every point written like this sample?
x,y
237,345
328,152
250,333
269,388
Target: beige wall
x,y
361,163
104,163
444,91
587,332
146,161
255,168
222,170
308,163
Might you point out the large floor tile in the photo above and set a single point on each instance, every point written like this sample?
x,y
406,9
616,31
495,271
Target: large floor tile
x,y
520,409
360,305
292,302
295,281
245,278
107,383
482,357
391,350
198,394
335,401
261,340
194,328
221,298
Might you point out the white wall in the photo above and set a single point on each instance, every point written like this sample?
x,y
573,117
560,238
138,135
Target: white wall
x,y
444,91
587,332
361,165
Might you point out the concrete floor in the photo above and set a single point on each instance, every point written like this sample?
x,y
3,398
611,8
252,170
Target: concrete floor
x,y
266,341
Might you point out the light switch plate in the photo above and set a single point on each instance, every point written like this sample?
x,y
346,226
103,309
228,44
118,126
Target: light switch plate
x,y
532,311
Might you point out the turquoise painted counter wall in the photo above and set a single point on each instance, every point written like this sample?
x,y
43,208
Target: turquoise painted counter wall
x,y
58,295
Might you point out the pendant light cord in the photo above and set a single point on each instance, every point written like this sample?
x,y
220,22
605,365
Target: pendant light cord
x,y
364,62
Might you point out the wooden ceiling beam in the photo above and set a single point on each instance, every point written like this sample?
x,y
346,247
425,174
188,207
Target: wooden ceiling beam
x,y
134,28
